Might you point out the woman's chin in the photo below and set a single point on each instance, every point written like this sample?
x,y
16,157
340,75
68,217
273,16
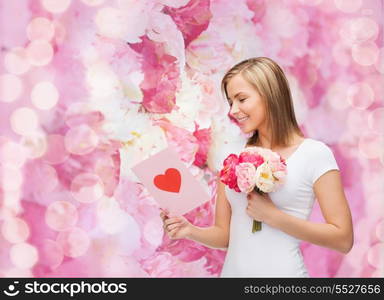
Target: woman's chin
x,y
245,130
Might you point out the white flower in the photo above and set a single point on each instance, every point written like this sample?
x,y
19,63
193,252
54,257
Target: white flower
x,y
188,100
264,178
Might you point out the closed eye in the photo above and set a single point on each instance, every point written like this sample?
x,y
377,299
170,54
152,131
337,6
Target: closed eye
x,y
240,100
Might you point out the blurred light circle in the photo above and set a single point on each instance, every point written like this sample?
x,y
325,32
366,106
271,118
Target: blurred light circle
x,y
44,95
376,120
379,65
74,242
348,145
111,22
35,144
51,254
16,61
341,54
337,95
56,152
356,120
371,145
61,215
55,6
15,230
46,179
81,140
348,6
365,54
24,121
11,179
11,201
39,52
364,29
360,95
11,87
82,113
375,256
373,192
103,164
60,32
93,2
87,188
40,29
23,255
358,30
375,81
12,154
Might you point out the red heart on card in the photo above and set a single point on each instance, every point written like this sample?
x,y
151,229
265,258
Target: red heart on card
x,y
169,182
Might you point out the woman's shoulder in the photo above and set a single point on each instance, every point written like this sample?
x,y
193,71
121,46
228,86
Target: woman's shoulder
x,y
319,159
317,144
317,149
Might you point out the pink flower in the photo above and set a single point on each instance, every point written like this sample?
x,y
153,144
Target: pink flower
x,y
161,76
191,19
203,138
276,164
180,139
246,176
228,173
251,157
255,166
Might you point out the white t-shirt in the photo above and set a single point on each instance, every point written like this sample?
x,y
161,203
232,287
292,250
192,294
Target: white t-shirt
x,y
271,252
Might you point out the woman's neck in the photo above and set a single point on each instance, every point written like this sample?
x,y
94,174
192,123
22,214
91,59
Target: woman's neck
x,y
265,141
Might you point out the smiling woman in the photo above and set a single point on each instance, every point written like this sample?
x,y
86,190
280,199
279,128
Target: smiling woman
x,y
260,100
258,91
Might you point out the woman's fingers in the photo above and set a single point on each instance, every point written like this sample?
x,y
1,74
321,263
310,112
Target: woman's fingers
x,y
170,221
173,226
163,216
173,232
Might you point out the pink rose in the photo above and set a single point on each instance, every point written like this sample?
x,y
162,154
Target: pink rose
x,y
251,156
246,176
227,174
277,165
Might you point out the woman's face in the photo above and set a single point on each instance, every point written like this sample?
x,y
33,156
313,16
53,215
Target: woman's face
x,y
247,106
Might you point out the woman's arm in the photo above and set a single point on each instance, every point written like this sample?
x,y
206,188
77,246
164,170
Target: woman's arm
x,y
336,233
216,236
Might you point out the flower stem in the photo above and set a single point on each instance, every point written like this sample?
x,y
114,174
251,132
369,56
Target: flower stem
x,y
256,226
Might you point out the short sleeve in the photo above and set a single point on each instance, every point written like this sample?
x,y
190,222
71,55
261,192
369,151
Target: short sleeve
x,y
323,161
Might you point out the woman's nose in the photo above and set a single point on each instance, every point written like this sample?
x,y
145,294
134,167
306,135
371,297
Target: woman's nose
x,y
234,109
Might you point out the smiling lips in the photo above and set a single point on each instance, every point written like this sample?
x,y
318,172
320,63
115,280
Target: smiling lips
x,y
241,120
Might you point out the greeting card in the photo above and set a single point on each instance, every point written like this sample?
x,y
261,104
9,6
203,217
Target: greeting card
x,y
169,181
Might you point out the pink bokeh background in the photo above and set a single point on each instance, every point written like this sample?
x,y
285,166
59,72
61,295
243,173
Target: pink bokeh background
x,y
88,88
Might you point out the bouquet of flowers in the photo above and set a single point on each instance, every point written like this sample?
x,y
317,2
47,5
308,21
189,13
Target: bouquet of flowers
x,y
255,169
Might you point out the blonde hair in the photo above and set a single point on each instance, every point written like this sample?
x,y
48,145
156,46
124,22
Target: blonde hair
x,y
270,82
